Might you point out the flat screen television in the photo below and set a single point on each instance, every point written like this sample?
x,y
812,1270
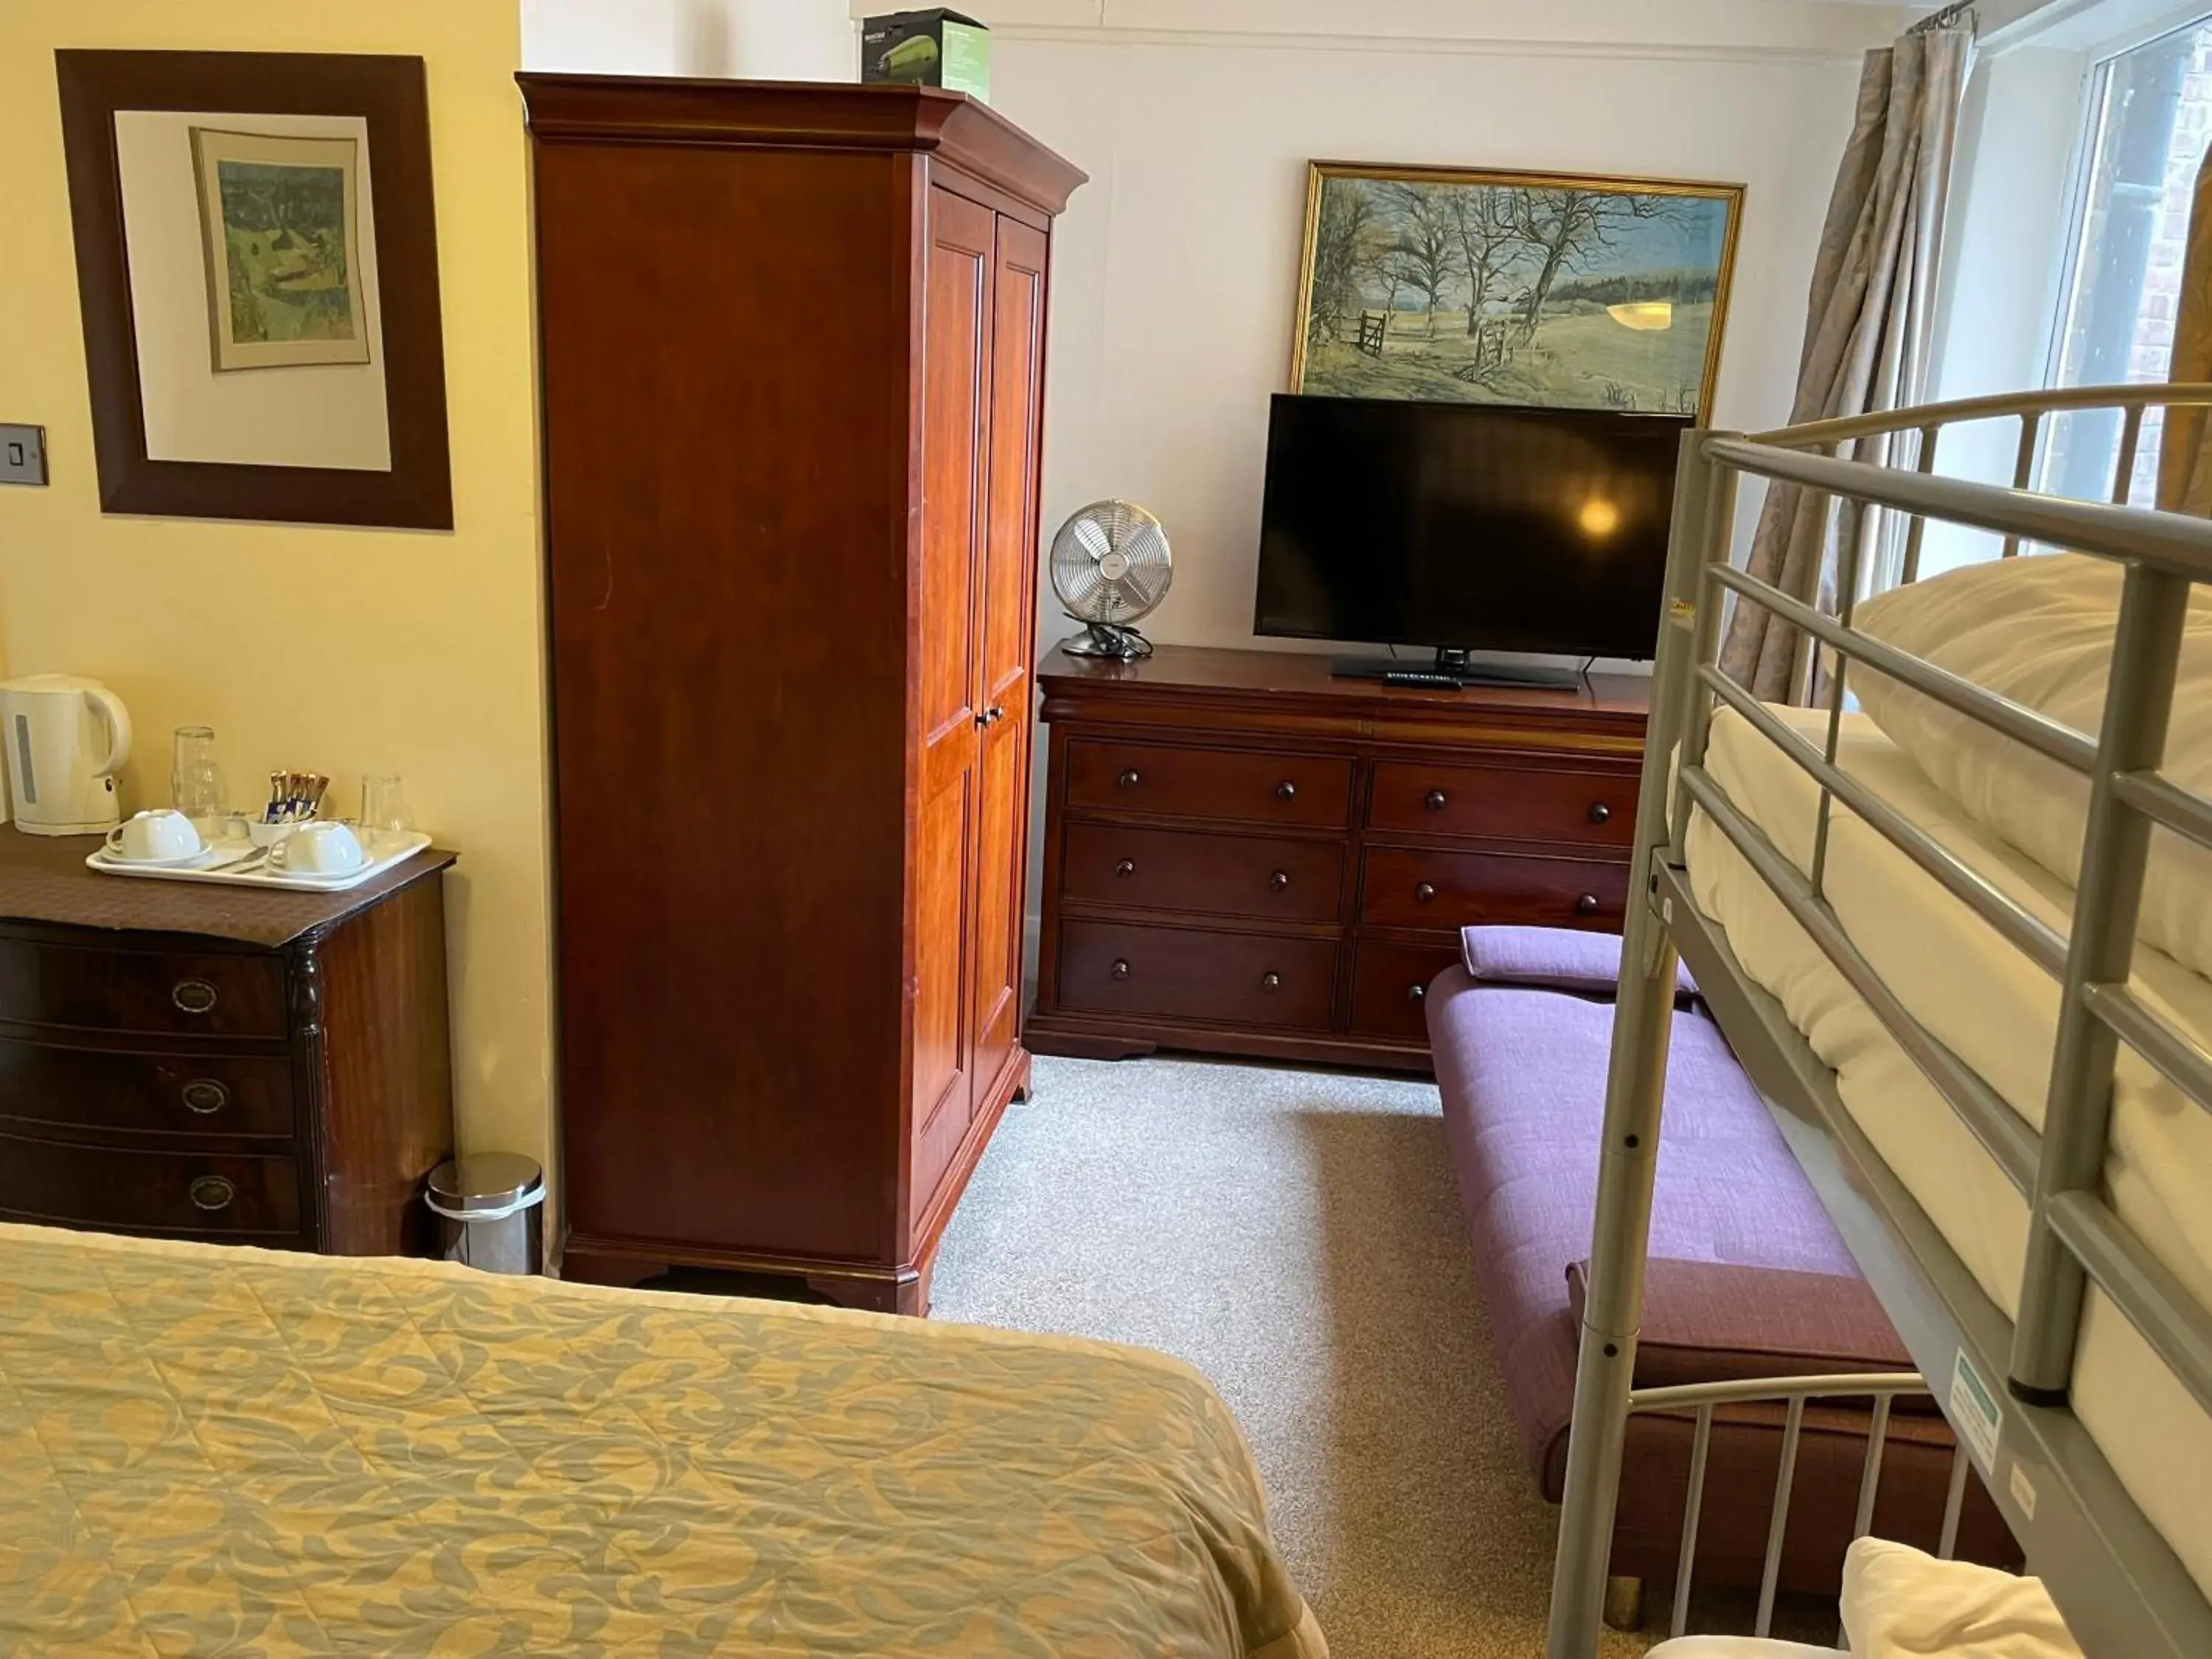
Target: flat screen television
x,y
1465,526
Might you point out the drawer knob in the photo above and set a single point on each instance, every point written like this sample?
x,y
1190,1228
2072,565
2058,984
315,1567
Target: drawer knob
x,y
1426,891
1271,982
1417,992
1128,779
204,1095
1121,969
1586,905
1600,812
1278,881
1434,800
1286,790
1125,868
194,996
212,1192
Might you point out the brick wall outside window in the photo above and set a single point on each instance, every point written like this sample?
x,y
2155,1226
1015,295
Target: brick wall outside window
x,y
2151,350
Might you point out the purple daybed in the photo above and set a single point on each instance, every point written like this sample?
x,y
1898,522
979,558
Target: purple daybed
x,y
1747,1276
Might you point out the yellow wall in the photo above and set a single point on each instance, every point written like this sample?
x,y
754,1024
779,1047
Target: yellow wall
x,y
341,650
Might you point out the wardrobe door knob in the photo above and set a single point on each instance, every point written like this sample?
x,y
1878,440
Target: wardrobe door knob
x,y
1271,982
1121,969
212,1192
1426,891
1278,881
1600,812
1128,779
1434,800
1417,993
1586,905
1125,868
204,1095
1286,790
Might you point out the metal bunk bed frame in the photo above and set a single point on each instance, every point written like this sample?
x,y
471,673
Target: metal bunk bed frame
x,y
2123,1591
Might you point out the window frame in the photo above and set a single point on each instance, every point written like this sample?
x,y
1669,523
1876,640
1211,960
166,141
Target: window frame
x,y
2067,289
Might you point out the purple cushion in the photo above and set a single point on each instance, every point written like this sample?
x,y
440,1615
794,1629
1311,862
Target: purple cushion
x,y
1523,1076
1553,959
1712,1322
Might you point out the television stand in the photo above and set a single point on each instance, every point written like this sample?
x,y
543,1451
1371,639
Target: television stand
x,y
1243,856
1458,667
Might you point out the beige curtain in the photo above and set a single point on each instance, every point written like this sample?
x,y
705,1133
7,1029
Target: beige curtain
x,y
1867,327
2185,451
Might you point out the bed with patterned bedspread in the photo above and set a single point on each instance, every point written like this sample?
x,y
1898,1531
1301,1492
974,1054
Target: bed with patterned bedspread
x,y
210,1449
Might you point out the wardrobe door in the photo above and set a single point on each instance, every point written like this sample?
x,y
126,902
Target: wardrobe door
x,y
1004,639
955,419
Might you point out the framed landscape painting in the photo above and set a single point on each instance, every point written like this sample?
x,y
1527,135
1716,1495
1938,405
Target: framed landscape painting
x,y
278,217
256,270
1452,285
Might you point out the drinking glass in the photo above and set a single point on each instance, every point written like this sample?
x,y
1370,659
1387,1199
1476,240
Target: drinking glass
x,y
195,777
383,808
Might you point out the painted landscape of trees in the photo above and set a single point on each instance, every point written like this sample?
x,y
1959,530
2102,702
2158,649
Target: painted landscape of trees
x,y
1490,289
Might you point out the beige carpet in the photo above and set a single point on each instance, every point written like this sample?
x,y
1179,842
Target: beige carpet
x,y
1295,1236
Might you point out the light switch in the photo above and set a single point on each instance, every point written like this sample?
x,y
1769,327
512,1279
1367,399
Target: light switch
x,y
22,455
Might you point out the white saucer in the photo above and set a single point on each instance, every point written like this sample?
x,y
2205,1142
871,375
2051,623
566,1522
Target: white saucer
x,y
368,858
318,877
208,858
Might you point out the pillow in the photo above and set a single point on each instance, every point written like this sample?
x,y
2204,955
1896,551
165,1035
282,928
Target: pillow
x,y
1552,959
2040,631
1900,1604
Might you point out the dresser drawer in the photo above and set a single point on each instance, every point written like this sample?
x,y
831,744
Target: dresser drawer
x,y
1202,871
1189,974
1403,887
208,1193
1391,988
93,987
178,1094
1247,785
1591,808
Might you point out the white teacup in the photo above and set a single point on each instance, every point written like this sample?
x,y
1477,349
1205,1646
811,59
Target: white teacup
x,y
160,834
319,848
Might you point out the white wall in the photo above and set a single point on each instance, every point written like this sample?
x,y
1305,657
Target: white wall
x,y
741,40
1174,266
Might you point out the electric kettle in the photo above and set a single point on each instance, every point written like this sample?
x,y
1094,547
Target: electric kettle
x,y
65,738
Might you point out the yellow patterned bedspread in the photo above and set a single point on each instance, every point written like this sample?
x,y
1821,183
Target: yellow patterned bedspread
x,y
208,1450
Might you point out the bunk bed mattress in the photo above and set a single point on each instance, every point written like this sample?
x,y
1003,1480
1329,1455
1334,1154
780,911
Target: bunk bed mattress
x,y
1998,1012
207,1447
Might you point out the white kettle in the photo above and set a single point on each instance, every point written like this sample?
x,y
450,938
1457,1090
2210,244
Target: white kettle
x,y
65,738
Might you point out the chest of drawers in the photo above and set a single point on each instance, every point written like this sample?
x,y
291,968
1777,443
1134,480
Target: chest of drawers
x,y
186,1060
1243,856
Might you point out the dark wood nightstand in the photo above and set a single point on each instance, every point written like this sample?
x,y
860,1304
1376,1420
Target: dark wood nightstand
x,y
189,1060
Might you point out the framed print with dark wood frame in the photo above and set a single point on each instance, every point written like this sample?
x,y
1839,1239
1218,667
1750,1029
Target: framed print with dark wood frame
x,y
258,269
1551,291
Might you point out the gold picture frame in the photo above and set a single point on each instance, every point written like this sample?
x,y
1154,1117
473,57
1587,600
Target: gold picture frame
x,y
280,225
1573,291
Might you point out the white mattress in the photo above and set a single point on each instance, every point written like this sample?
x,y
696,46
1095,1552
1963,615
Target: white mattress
x,y
1998,1012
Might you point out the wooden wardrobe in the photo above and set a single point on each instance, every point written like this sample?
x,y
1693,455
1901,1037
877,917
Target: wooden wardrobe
x,y
793,343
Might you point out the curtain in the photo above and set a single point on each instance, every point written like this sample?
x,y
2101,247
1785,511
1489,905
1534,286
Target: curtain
x,y
1867,328
2184,452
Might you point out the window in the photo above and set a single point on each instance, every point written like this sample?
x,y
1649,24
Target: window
x,y
2150,118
